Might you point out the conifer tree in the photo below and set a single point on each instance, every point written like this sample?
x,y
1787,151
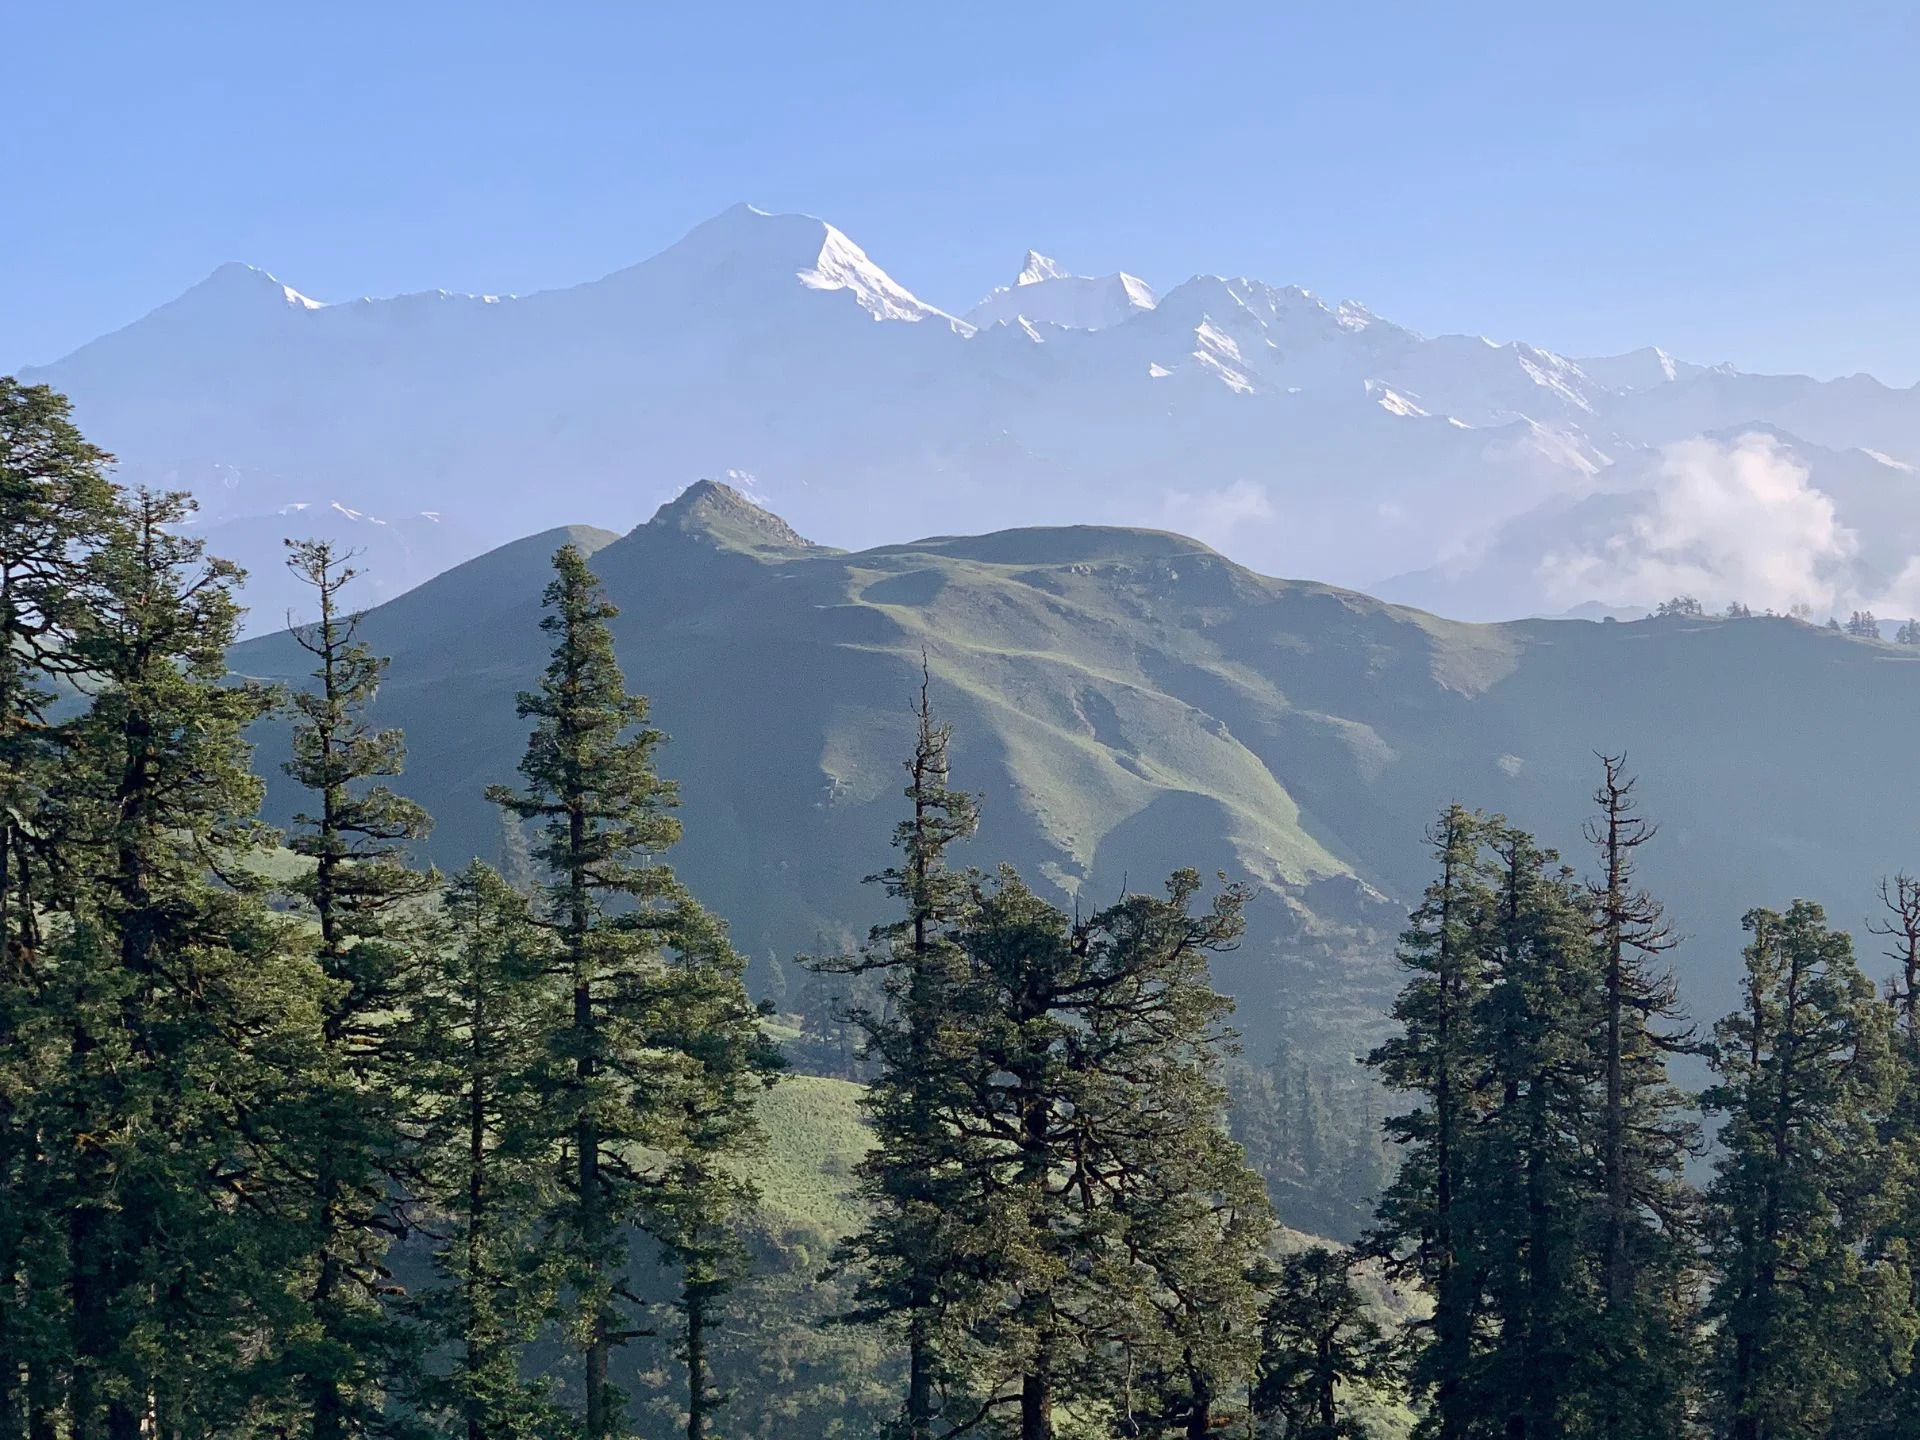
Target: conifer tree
x,y
916,1178
626,1064
1084,1038
1422,1221
477,1043
359,891
1318,1343
54,502
722,1060
1187,1258
180,989
1803,1073
1638,1356
1522,1184
1888,1405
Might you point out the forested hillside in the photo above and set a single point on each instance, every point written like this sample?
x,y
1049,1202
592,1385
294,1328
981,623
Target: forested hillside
x,y
300,1135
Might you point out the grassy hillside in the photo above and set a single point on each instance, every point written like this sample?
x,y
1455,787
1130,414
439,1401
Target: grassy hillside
x,y
1128,701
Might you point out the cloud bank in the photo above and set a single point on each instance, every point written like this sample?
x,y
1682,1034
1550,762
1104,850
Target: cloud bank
x,y
1723,522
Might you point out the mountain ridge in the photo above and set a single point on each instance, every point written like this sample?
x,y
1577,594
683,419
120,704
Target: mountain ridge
x,y
1128,701
1295,435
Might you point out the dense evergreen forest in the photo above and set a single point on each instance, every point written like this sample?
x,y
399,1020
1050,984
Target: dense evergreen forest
x,y
301,1138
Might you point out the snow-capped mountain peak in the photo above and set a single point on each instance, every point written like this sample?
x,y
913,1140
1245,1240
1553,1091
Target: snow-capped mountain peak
x,y
1038,268
1047,294
239,287
1294,435
745,246
1642,369
250,282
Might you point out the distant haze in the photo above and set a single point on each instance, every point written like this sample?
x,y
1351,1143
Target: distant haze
x,y
1298,436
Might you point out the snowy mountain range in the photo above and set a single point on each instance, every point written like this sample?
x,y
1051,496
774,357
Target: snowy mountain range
x,y
1298,437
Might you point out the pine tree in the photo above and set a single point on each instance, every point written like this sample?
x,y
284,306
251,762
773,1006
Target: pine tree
x,y
1889,1405
721,1062
1318,1344
1802,1072
625,1068
181,991
1188,1258
54,503
1089,1046
1637,1361
915,1179
479,1023
1192,1220
1421,1226
1522,1183
358,892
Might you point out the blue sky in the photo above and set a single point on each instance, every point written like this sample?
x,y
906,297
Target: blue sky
x,y
1733,181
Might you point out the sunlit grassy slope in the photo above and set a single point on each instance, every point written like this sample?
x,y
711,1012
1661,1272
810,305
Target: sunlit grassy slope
x,y
1130,701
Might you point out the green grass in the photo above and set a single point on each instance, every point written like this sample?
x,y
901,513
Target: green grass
x,y
814,1136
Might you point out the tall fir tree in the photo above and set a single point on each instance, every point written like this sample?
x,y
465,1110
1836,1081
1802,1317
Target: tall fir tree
x,y
630,942
364,898
55,502
720,1061
1422,1222
1639,1359
1522,1183
1802,1073
182,993
1088,1044
1185,1273
476,1044
1888,1405
910,1252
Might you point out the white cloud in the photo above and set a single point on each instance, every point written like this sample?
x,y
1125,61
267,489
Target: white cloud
x,y
1216,515
1902,599
1722,522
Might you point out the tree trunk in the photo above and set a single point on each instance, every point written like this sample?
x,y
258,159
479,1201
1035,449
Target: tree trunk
x,y
477,1358
697,1400
1200,1412
587,1133
919,1379
42,1402
1452,1323
1036,1403
1326,1380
